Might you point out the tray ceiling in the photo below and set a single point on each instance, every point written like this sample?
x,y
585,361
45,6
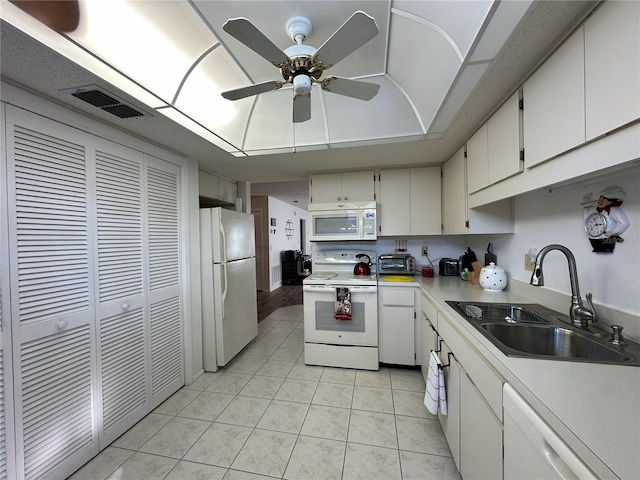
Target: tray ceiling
x,y
173,59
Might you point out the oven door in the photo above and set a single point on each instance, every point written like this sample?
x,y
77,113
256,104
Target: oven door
x,y
320,326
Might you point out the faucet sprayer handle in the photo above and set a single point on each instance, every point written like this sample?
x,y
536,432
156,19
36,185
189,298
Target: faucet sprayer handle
x,y
589,297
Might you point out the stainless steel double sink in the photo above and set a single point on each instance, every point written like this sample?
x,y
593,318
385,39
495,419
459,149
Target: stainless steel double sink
x,y
534,331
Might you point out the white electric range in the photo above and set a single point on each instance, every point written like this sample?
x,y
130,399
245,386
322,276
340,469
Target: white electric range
x,y
332,337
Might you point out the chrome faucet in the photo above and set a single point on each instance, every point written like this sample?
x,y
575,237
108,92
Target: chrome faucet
x,y
580,315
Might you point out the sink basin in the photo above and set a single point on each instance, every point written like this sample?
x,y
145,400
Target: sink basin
x,y
500,311
549,340
534,331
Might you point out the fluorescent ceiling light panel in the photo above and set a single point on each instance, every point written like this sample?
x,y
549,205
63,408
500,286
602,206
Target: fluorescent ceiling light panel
x,y
155,43
60,44
189,124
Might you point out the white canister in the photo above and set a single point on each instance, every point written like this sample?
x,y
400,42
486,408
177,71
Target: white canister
x,y
493,278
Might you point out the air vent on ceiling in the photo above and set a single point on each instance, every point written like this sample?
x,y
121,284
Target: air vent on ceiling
x,y
105,101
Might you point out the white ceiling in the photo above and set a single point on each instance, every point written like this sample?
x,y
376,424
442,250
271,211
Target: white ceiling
x,y
428,57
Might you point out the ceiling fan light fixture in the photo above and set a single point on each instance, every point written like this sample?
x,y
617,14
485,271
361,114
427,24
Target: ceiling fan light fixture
x,y
302,84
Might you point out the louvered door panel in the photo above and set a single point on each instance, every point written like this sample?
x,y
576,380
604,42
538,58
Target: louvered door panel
x,y
51,226
123,372
120,279
52,308
119,222
162,205
165,306
166,344
56,400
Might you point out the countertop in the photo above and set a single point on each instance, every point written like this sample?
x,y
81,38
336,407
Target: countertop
x,y
595,408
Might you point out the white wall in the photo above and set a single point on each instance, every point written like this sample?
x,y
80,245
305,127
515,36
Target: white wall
x,y
278,240
543,218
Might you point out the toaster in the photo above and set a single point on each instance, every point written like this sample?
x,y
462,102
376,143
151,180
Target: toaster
x,y
449,266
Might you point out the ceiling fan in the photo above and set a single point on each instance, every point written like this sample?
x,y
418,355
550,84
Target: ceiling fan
x,y
302,65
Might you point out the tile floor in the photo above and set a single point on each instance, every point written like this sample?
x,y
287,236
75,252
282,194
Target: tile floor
x,y
268,415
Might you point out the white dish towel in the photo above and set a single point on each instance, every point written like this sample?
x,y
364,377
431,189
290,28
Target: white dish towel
x,y
435,395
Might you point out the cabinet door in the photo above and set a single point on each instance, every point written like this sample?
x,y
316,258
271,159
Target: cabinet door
x,y
52,305
451,422
163,226
454,195
612,67
227,190
429,337
397,325
503,141
477,161
326,188
358,187
395,202
426,212
208,185
121,301
480,435
554,111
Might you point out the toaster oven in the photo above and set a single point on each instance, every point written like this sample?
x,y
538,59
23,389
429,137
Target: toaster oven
x,y
396,264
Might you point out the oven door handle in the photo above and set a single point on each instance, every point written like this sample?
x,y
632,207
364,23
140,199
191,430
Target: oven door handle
x,y
332,288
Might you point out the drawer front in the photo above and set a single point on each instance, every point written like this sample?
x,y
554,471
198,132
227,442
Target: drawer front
x,y
397,296
486,380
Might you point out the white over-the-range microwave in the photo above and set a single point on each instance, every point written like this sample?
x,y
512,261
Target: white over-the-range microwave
x,y
342,221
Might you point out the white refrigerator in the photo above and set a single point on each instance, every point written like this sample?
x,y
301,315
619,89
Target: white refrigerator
x,y
229,304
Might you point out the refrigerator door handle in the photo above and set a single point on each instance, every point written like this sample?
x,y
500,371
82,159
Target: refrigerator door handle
x,y
224,289
224,242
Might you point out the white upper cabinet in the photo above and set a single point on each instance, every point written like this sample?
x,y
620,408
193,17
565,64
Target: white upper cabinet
x,y
218,188
410,201
503,141
612,67
342,187
554,111
457,218
454,195
477,160
493,152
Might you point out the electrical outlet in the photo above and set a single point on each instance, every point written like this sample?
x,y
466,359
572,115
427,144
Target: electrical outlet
x,y
425,250
528,264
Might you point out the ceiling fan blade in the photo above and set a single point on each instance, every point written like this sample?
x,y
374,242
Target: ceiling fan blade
x,y
350,88
246,32
301,108
355,32
255,89
59,15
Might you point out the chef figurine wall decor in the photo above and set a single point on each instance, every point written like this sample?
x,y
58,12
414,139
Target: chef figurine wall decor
x,y
604,219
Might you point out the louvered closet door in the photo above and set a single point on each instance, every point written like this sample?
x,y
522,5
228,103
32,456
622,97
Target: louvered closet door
x,y
165,303
7,442
122,344
51,303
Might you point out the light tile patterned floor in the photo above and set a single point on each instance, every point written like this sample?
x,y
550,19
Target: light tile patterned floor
x,y
268,415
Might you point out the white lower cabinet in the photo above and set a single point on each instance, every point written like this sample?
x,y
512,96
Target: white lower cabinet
x,y
398,327
480,435
473,424
451,421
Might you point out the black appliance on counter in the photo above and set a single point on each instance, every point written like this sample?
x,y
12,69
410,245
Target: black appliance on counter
x,y
295,267
449,267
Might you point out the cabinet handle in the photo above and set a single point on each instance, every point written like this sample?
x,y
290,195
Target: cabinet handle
x,y
126,306
62,324
339,198
346,198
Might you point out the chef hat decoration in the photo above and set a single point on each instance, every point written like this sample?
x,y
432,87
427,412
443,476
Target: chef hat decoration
x,y
613,192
